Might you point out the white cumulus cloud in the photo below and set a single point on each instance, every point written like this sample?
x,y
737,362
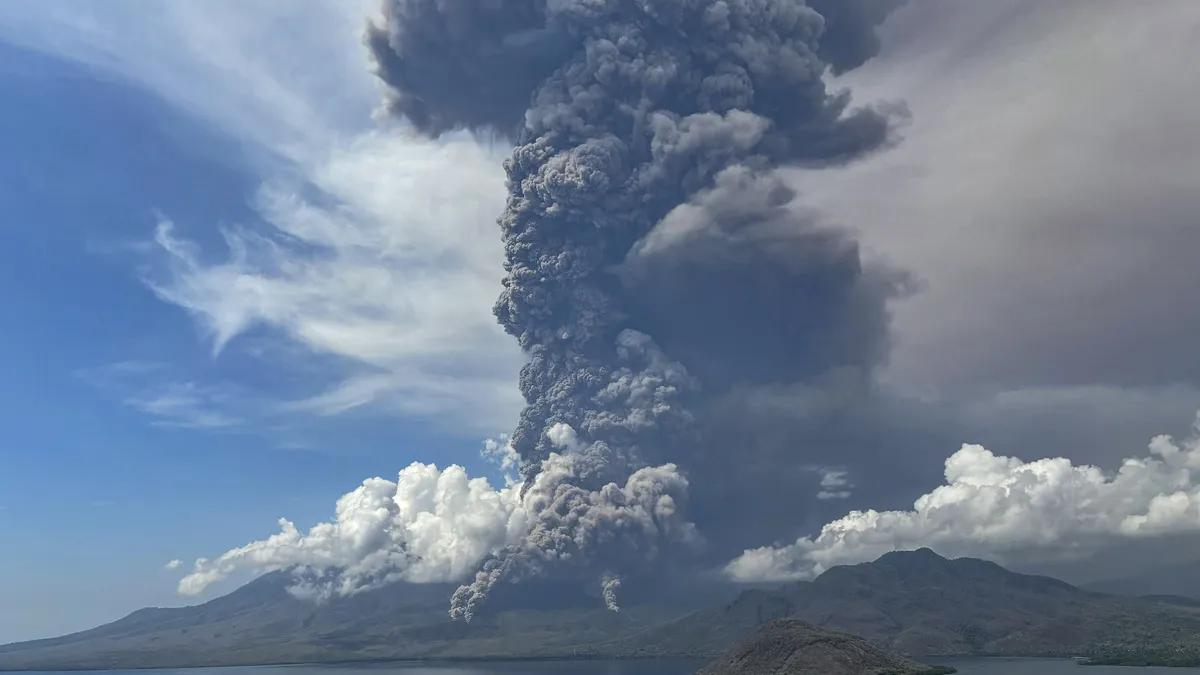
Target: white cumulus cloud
x,y
439,525
1009,510
429,525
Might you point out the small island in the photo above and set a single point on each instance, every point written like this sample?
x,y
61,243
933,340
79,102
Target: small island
x,y
795,647
1175,655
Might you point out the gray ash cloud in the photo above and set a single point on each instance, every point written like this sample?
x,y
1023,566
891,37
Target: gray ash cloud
x,y
656,264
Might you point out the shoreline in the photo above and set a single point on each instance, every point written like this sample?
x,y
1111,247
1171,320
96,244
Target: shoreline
x,y
371,662
933,660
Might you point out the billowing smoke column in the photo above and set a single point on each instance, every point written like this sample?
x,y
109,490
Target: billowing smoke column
x,y
655,261
608,586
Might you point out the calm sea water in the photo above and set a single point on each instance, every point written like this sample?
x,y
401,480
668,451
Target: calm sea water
x,y
1048,667
682,667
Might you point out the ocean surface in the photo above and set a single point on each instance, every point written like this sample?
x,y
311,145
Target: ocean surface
x,y
627,667
999,666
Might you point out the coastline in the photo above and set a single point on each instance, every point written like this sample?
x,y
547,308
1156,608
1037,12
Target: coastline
x,y
549,658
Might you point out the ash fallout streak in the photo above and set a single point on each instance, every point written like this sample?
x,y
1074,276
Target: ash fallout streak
x,y
655,262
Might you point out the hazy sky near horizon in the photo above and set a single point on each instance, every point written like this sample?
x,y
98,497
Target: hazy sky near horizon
x,y
231,294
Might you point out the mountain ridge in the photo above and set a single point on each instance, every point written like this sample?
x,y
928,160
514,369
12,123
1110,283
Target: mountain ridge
x,y
261,622
920,603
914,602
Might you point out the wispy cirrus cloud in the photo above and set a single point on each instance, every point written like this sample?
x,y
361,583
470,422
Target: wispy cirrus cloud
x,y
157,390
392,268
184,404
369,249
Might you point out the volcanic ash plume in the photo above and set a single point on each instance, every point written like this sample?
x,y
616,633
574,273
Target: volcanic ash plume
x,y
654,258
609,585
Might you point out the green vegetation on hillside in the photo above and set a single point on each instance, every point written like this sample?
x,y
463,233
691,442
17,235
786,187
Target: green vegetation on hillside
x,y
1181,655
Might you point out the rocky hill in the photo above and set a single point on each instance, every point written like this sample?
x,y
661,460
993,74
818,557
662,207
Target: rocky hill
x,y
794,647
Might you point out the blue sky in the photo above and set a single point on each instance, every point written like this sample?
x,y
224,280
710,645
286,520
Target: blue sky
x,y
128,439
231,294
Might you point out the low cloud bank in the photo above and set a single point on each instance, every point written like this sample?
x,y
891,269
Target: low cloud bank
x,y
439,525
1006,509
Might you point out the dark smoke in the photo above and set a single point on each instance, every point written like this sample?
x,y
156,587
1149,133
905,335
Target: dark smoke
x,y
656,263
850,39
